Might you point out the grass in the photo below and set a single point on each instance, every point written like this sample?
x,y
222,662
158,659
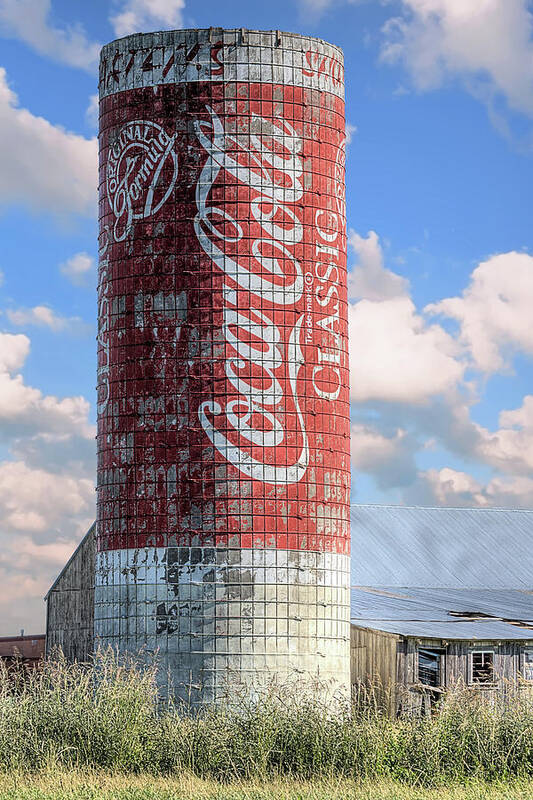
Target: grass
x,y
72,731
95,786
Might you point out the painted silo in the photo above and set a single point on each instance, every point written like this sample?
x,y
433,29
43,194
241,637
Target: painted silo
x,y
223,420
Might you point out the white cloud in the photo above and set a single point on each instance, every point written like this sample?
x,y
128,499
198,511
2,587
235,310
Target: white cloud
x,y
390,458
42,517
351,130
315,8
24,409
515,492
408,386
444,422
494,311
14,350
45,317
92,111
369,279
449,487
46,486
54,553
38,315
510,447
28,20
42,165
77,268
144,15
485,43
519,417
411,375
369,445
396,357
21,601
2,276
33,500
446,487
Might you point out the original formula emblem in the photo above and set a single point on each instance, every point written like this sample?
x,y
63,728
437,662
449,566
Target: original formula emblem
x,y
137,183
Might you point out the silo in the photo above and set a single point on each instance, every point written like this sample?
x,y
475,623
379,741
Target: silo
x,y
223,417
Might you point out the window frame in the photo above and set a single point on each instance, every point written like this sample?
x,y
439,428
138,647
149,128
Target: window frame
x,y
441,651
526,663
481,651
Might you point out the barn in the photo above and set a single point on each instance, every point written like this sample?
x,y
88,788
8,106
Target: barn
x,y
26,651
441,597
70,604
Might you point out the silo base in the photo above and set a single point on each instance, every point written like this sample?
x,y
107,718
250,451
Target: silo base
x,y
220,619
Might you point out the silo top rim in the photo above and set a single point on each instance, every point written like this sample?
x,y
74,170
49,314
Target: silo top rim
x,y
234,55
179,33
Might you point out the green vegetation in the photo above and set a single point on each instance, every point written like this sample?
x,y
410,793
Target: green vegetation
x,y
78,724
68,786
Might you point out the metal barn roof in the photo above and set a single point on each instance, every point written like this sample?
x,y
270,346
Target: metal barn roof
x,y
443,547
445,613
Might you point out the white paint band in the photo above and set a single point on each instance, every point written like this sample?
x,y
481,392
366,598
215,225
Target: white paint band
x,y
214,54
219,618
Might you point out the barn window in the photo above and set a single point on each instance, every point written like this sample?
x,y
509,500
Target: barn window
x,y
528,665
482,666
430,666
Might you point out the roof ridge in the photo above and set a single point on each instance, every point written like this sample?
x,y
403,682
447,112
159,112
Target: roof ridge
x,y
440,508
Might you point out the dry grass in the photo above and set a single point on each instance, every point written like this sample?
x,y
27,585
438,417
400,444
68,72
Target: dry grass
x,y
105,719
53,785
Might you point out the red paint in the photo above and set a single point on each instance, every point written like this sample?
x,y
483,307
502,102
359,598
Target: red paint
x,y
161,480
320,64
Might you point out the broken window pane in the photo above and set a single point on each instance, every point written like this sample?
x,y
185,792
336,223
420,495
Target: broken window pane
x,y
528,665
430,667
483,666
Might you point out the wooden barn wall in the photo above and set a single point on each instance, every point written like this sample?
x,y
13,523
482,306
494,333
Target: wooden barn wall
x,y
508,665
508,660
373,662
389,660
70,606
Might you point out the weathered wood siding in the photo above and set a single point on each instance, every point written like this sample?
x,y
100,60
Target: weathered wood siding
x,y
508,660
373,662
508,665
70,605
391,661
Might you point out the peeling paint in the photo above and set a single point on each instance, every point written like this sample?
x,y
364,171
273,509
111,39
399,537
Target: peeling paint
x,y
223,427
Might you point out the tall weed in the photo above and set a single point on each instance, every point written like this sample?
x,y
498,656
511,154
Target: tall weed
x,y
107,716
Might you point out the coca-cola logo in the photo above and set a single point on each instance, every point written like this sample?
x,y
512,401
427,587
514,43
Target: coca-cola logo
x,y
137,183
264,359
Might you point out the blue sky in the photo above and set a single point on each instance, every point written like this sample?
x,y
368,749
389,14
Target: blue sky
x,y
439,106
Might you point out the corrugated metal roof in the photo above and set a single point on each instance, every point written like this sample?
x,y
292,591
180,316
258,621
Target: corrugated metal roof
x,y
430,604
487,631
425,613
444,547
